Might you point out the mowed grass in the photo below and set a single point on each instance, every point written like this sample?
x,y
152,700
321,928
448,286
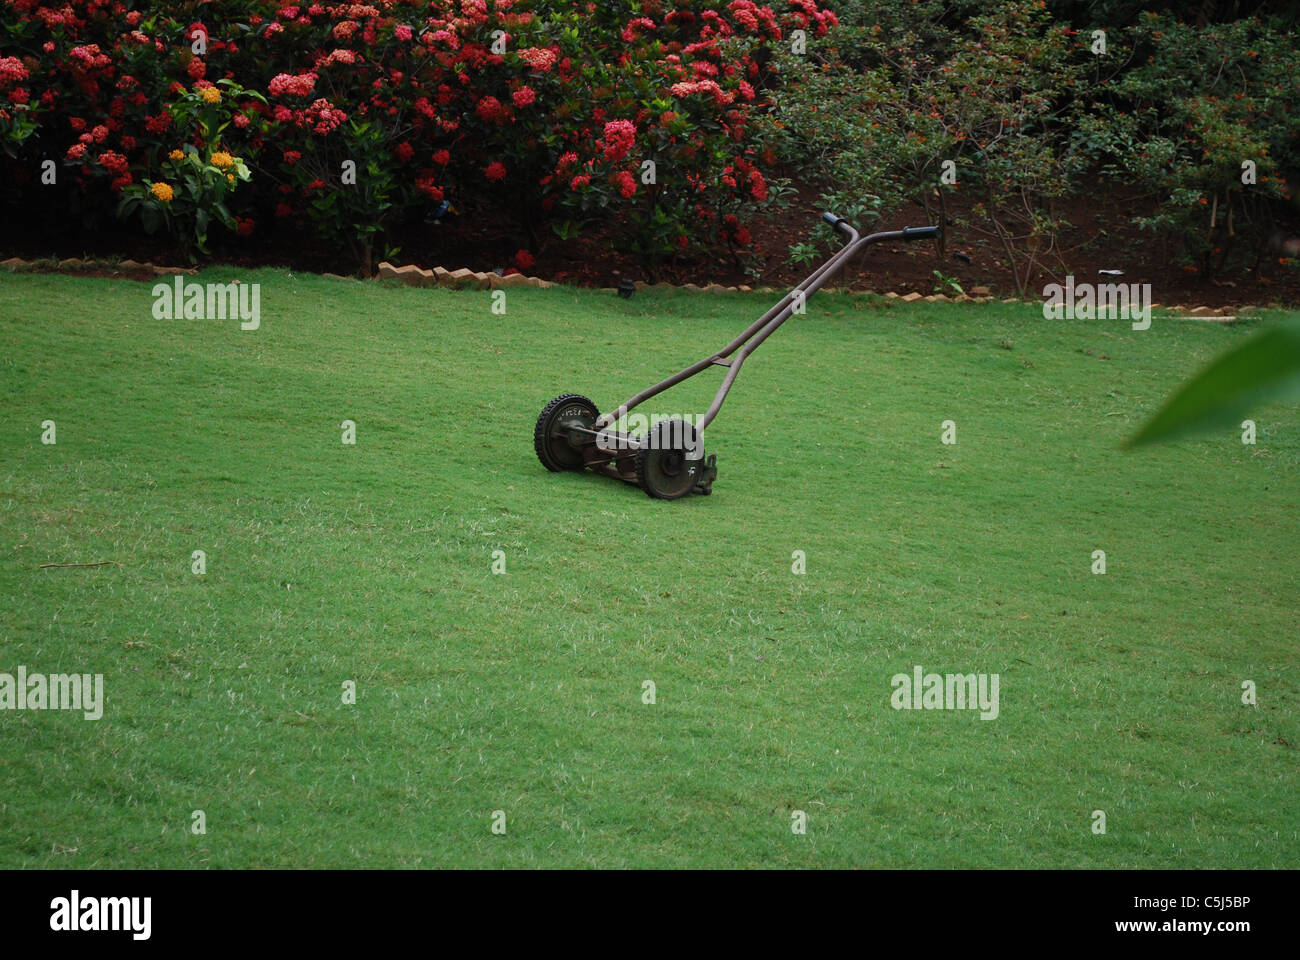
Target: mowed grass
x,y
522,692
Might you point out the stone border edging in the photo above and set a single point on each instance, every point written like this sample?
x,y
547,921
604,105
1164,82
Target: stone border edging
x,y
466,279
14,264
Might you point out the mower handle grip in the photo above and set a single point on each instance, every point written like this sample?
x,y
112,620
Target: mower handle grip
x,y
921,233
834,221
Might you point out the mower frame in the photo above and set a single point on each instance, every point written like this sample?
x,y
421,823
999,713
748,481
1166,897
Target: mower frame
x,y
762,328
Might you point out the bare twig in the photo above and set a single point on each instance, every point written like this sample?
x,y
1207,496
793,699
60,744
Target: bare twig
x,y
97,563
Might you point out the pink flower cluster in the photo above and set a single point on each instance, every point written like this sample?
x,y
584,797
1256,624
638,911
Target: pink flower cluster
x,y
340,55
754,18
285,84
539,58
322,116
630,31
12,71
688,87
620,137
90,57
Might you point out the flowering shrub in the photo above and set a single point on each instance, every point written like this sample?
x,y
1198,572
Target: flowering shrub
x,y
640,117
193,191
198,178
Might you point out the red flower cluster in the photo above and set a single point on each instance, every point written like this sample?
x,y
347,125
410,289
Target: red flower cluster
x,y
491,110
541,59
12,71
284,85
620,137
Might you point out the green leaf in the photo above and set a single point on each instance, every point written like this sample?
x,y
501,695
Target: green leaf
x,y
151,217
1266,367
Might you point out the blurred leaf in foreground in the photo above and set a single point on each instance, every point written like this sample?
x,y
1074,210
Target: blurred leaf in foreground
x,y
1266,367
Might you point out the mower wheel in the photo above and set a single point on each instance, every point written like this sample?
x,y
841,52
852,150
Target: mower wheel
x,y
551,440
665,466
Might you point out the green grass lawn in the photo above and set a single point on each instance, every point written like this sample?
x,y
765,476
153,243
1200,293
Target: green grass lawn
x,y
522,692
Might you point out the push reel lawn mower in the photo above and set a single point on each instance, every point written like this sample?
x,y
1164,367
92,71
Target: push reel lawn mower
x,y
668,462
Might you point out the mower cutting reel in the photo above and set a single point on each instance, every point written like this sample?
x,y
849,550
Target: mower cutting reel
x,y
669,462
672,463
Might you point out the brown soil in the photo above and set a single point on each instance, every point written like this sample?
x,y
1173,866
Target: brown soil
x,y
1101,238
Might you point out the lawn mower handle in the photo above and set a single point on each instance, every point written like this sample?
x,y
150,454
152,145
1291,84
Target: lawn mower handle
x,y
907,233
734,353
